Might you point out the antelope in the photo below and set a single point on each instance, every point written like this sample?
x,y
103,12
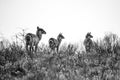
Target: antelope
x,y
88,42
33,39
55,43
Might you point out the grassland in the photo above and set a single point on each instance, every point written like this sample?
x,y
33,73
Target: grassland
x,y
70,63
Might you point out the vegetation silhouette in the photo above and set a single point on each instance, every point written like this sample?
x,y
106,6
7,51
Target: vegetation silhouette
x,y
102,63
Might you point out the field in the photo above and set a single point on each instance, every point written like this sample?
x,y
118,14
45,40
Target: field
x,y
70,63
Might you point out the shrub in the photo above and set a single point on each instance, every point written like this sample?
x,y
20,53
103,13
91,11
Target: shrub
x,y
68,64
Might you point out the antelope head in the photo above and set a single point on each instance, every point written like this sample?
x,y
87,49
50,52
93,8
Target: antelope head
x,y
88,35
60,37
40,31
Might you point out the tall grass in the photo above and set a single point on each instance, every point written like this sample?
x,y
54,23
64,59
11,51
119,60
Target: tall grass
x,y
70,63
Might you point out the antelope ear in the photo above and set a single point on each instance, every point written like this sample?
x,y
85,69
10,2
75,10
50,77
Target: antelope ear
x,y
38,27
60,33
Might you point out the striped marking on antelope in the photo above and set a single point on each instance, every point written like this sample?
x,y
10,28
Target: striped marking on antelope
x,y
55,43
33,39
88,42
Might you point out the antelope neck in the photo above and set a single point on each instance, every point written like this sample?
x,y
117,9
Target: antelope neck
x,y
59,40
39,36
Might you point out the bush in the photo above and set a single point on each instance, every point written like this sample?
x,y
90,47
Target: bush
x,y
68,64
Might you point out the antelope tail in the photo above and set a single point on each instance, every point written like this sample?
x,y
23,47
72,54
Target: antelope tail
x,y
27,38
51,42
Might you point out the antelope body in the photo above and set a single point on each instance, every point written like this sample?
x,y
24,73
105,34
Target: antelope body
x,y
33,39
88,42
55,43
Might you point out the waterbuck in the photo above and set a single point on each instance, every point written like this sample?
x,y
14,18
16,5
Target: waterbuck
x,y
55,43
88,42
33,39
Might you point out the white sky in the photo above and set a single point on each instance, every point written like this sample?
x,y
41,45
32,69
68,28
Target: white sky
x,y
74,18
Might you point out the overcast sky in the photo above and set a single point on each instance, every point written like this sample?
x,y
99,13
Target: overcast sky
x,y
74,18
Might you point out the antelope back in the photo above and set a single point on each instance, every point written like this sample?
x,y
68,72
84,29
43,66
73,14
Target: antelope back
x,y
87,42
31,39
